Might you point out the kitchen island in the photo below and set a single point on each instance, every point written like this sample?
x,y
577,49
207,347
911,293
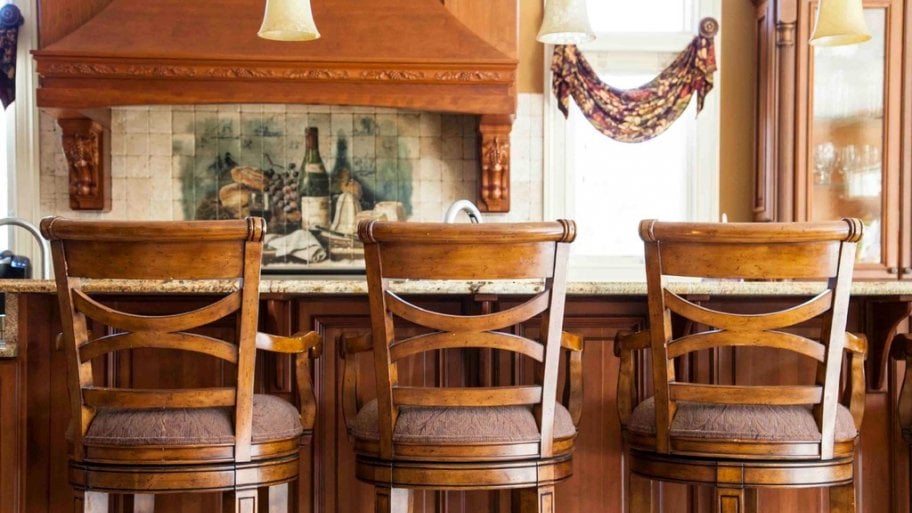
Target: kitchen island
x,y
34,415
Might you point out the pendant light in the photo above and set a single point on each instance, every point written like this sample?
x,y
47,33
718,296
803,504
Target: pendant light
x,y
840,22
288,20
566,22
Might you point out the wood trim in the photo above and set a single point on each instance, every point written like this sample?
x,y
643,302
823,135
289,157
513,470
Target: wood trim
x,y
797,314
105,397
478,339
726,394
500,396
161,323
180,341
462,323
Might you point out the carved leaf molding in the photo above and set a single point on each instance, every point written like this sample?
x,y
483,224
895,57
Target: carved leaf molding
x,y
243,72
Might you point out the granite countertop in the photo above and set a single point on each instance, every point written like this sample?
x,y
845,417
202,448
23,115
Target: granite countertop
x,y
359,286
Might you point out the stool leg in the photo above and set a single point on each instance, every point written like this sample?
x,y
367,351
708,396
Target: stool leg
x,y
537,500
842,498
392,500
274,498
730,500
639,494
89,502
143,503
240,501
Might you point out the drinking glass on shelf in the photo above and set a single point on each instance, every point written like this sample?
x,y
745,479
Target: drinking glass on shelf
x,y
824,162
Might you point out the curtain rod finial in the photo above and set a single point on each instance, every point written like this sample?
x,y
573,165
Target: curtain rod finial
x,y
709,27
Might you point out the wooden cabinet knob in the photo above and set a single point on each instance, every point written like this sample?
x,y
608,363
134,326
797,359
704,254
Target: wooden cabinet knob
x,y
892,270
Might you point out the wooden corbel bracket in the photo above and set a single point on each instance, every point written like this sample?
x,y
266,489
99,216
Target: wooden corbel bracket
x,y
494,132
86,145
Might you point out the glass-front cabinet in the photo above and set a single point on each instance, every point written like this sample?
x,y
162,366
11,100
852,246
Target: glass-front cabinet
x,y
830,127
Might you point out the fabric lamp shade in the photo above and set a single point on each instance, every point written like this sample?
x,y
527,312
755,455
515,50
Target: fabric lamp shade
x,y
288,20
566,22
840,22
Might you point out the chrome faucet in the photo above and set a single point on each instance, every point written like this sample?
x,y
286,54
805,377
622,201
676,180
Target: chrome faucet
x,y
462,205
42,243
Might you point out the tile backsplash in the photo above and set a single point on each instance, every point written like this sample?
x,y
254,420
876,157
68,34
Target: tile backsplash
x,y
169,162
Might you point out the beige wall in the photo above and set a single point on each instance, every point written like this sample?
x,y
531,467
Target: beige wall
x,y
531,52
737,67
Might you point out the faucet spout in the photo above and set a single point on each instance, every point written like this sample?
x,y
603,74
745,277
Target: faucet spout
x,y
42,243
466,206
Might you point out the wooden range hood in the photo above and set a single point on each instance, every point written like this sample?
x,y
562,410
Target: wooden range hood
x,y
455,56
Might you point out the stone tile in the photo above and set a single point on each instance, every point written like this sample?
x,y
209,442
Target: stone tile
x,y
452,148
61,167
469,148
183,144
340,122
182,122
364,147
408,125
118,188
160,120
136,120
409,147
429,124
431,147
429,170
137,166
229,123
160,167
295,124
136,144
387,147
160,145
387,124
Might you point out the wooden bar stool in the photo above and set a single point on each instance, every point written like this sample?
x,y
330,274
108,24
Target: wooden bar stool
x,y
150,441
450,438
739,437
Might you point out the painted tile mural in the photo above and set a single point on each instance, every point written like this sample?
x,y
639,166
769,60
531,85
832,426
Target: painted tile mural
x,y
236,164
172,162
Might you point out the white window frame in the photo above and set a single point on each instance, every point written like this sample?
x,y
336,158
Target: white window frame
x,y
23,177
558,180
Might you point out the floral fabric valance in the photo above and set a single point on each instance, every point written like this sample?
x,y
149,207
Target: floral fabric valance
x,y
640,114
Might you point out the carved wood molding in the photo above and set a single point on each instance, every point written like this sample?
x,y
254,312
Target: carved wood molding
x,y
89,174
494,185
56,67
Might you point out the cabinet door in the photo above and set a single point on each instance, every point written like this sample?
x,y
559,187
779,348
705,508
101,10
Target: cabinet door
x,y
850,148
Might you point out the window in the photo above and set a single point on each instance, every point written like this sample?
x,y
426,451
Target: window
x,y
609,186
19,178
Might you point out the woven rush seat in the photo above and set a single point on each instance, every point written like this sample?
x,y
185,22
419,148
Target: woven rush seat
x,y
273,419
759,423
460,425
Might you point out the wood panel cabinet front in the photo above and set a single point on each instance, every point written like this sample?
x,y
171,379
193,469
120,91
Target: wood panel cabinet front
x,y
599,476
830,123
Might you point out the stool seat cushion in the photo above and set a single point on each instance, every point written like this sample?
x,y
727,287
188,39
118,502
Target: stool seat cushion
x,y
462,425
273,419
762,423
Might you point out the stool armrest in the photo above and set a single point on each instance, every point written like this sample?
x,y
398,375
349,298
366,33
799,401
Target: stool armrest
x,y
573,390
626,343
351,346
854,395
305,347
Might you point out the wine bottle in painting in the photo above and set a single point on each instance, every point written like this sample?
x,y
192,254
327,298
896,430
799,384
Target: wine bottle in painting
x,y
314,185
